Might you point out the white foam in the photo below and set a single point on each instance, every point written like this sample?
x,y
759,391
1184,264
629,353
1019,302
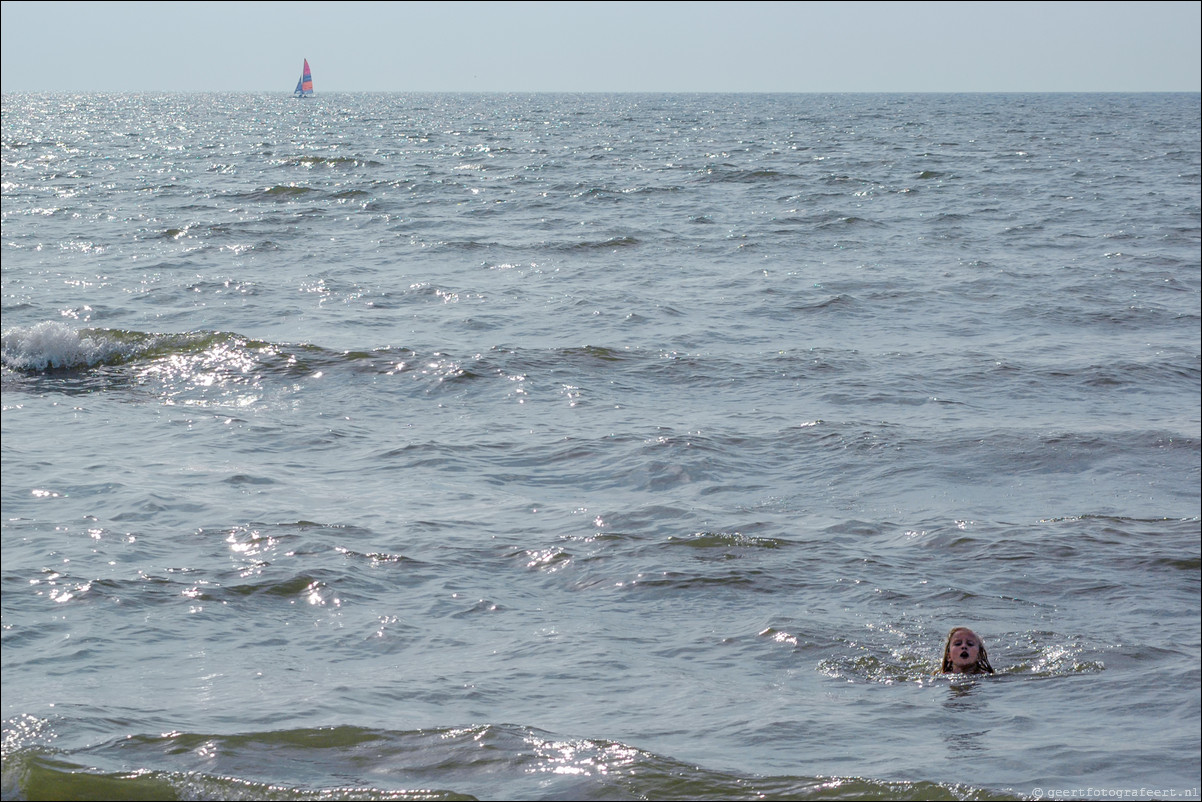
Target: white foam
x,y
52,345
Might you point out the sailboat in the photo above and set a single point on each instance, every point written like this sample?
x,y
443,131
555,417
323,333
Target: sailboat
x,y
304,86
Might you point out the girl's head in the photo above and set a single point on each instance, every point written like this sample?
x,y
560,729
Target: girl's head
x,y
964,654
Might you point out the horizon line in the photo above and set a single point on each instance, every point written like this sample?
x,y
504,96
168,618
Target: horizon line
x,y
287,93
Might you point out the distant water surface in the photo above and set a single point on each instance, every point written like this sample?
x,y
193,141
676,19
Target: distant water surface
x,y
599,446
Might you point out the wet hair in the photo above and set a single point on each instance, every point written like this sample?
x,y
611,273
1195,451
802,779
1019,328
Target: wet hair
x,y
980,667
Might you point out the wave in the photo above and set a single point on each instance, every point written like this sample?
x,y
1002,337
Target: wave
x,y
331,161
278,192
728,174
56,348
592,245
492,761
53,346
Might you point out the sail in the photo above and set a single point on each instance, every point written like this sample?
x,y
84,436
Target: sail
x,y
304,86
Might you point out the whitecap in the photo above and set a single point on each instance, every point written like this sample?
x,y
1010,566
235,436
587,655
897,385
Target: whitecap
x,y
52,345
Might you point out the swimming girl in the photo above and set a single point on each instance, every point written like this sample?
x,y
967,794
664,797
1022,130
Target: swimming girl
x,y
964,654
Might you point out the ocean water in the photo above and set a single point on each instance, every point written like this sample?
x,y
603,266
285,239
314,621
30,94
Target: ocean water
x,y
600,446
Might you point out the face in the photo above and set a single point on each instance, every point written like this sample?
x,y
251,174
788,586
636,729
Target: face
x,y
963,650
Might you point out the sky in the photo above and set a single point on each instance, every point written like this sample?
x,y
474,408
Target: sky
x,y
603,47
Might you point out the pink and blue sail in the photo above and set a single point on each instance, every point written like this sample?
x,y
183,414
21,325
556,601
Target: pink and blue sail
x,y
304,86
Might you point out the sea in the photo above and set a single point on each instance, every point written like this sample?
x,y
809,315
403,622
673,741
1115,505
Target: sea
x,y
600,446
